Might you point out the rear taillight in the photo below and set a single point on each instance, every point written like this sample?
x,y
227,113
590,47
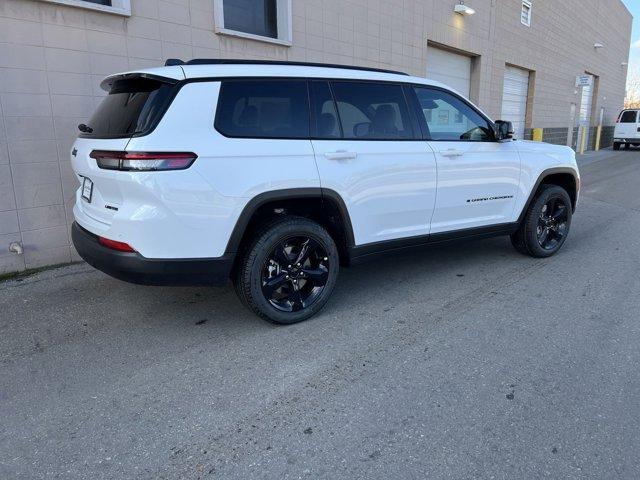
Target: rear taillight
x,y
143,161
115,245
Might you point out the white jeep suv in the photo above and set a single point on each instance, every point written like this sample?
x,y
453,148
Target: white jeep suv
x,y
274,174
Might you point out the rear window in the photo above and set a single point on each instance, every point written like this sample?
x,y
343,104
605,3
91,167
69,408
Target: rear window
x,y
133,106
629,116
263,109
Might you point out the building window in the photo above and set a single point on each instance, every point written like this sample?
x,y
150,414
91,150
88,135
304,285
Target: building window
x,y
119,7
264,20
525,17
261,21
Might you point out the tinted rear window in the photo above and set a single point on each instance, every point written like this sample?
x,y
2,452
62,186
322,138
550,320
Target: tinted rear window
x,y
263,109
133,106
629,116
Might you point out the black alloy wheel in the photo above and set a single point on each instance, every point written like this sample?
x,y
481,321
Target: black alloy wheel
x,y
288,272
552,224
295,274
546,223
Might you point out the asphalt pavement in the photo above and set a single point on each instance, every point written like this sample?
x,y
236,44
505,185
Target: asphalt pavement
x,y
465,361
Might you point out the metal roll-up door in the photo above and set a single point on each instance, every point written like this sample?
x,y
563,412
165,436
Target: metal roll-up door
x,y
514,98
452,69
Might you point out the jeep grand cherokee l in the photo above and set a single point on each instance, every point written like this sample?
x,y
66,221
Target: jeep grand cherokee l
x,y
275,174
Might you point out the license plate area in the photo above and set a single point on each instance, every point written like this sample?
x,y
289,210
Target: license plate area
x,y
87,189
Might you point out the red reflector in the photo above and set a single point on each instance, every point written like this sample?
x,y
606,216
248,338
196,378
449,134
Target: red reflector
x,y
143,161
115,245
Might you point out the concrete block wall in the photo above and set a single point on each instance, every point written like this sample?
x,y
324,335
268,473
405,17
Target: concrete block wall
x,y
53,57
556,136
560,45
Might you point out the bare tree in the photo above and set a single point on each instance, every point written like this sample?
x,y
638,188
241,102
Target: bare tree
x,y
633,92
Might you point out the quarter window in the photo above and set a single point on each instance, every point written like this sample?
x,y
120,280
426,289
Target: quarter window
x,y
372,111
629,116
263,109
449,118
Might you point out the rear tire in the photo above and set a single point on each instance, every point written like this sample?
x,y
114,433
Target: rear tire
x,y
616,146
287,274
546,223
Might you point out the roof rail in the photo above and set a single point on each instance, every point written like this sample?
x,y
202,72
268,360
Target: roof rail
x,y
229,61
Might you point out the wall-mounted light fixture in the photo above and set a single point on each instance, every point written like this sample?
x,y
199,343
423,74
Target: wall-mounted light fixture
x,y
598,45
463,9
624,64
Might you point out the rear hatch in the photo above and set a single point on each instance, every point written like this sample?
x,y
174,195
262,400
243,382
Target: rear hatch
x,y
133,107
627,126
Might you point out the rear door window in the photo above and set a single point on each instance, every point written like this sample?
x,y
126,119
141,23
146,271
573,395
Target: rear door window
x,y
629,116
263,109
324,116
133,106
373,111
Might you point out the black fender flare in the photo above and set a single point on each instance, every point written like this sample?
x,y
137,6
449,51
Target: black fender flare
x,y
322,194
540,180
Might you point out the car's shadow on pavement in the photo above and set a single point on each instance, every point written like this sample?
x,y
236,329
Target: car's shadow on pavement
x,y
392,278
76,303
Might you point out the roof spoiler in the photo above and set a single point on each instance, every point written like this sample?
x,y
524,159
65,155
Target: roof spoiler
x,y
108,82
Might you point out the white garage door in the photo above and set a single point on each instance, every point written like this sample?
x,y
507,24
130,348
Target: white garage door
x,y
514,98
449,68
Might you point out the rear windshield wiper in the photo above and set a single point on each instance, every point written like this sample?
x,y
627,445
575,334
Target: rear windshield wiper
x,y
85,128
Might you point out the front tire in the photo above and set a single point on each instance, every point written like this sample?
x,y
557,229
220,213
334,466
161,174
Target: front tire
x,y
546,223
288,272
616,146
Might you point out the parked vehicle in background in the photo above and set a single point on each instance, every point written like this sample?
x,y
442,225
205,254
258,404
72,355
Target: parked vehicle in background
x,y
275,174
627,131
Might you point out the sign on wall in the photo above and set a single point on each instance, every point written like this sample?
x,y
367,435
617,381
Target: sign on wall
x,y
583,81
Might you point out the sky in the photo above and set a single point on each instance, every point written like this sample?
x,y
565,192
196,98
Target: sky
x,y
634,59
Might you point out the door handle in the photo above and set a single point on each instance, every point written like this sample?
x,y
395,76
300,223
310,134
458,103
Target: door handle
x,y
341,155
452,152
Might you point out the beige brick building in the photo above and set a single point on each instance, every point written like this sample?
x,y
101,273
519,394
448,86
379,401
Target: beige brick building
x,y
517,59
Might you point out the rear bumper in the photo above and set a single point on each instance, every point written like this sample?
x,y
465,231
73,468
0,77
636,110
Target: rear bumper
x,y
626,140
134,268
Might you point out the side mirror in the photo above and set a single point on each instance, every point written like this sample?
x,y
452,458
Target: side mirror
x,y
504,130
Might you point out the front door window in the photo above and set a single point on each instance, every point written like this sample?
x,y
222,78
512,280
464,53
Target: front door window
x,y
448,118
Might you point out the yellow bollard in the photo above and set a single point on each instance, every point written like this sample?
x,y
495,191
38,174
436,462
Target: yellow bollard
x,y
537,134
583,140
598,137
